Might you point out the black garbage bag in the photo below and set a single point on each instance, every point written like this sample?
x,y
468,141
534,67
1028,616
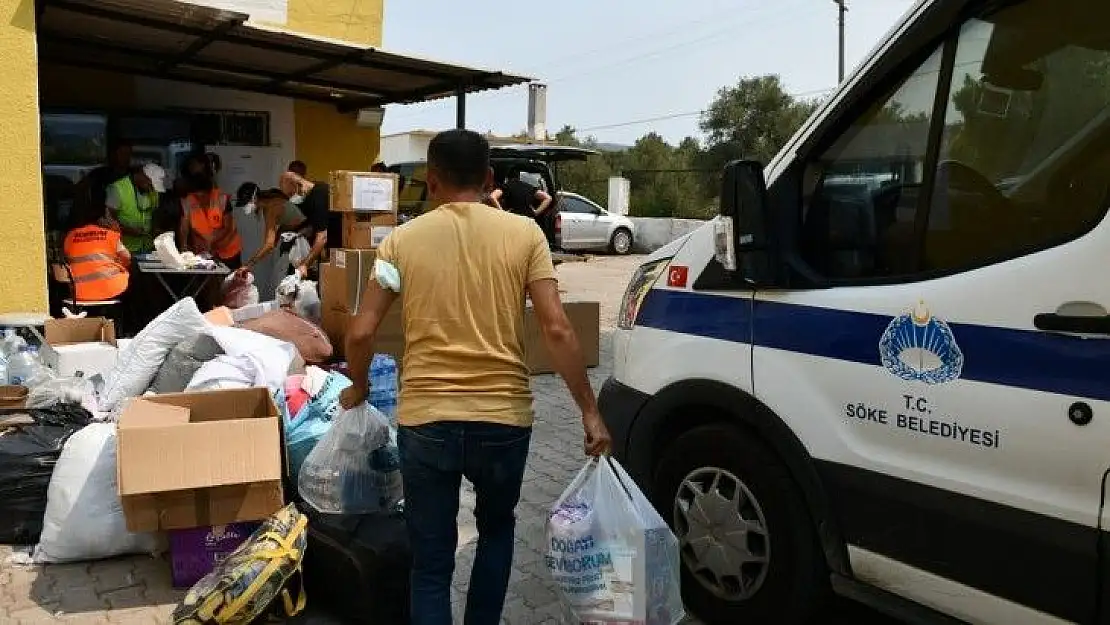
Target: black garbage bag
x,y
28,454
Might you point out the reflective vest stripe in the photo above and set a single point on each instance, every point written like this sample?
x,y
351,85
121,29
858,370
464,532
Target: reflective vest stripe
x,y
103,274
94,257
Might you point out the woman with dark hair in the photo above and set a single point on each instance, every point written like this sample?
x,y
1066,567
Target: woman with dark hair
x,y
278,214
207,224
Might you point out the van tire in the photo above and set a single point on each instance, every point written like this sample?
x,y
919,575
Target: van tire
x,y
621,242
796,579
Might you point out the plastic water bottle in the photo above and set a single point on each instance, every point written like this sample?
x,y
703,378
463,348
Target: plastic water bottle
x,y
3,370
10,343
383,385
22,366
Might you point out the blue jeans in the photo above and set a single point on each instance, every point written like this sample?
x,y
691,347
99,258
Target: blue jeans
x,y
434,459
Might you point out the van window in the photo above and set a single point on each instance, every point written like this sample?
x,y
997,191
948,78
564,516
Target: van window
x,y
1021,162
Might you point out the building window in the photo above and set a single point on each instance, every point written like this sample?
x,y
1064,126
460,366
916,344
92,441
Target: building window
x,y
249,128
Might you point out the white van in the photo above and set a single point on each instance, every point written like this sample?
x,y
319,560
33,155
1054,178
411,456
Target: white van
x,y
885,368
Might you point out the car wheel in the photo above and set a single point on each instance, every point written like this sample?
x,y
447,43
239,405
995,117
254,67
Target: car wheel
x,y
621,242
749,550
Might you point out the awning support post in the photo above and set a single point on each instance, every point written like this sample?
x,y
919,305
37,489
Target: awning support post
x,y
460,108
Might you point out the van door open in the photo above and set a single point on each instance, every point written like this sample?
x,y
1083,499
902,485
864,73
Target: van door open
x,y
946,358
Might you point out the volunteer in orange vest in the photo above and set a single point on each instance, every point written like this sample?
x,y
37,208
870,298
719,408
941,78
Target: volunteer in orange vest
x,y
97,258
207,223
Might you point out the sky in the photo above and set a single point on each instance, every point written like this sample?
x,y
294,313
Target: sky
x,y
608,63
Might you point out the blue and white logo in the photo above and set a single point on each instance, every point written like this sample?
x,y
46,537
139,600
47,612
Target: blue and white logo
x,y
918,346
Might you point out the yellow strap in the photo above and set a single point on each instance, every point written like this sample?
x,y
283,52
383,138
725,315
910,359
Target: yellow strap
x,y
275,555
292,610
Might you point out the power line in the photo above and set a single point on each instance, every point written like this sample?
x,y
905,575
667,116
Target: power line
x,y
660,118
762,17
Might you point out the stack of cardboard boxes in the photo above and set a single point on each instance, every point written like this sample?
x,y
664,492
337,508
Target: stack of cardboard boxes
x,y
368,202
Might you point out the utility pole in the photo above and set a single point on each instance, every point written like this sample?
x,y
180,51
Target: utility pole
x,y
842,8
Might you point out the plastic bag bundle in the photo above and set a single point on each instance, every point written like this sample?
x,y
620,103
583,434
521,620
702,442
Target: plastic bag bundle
x,y
84,518
383,386
299,295
305,428
609,552
239,290
355,468
71,390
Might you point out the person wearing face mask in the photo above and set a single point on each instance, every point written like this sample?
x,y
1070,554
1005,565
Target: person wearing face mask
x,y
311,198
207,223
278,214
131,202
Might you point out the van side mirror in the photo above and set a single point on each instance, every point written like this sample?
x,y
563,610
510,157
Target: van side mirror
x,y
745,231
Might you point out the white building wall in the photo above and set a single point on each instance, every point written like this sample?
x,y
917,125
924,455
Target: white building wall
x,y
153,93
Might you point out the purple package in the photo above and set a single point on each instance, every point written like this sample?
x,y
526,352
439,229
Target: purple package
x,y
195,552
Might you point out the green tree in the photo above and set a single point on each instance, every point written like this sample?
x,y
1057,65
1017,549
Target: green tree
x,y
750,120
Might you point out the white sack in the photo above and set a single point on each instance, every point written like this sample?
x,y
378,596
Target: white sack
x,y
84,519
270,357
226,372
139,362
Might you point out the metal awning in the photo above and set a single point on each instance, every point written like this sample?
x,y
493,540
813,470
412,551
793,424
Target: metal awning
x,y
186,42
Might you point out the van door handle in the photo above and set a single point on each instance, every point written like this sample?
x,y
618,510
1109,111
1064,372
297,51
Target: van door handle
x,y
1079,324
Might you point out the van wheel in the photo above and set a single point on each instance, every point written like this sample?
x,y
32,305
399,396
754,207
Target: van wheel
x,y
749,550
621,242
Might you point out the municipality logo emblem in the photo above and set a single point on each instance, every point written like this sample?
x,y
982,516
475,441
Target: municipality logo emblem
x,y
920,347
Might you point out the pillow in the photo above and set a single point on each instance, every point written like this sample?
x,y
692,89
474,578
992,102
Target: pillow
x,y
310,341
182,363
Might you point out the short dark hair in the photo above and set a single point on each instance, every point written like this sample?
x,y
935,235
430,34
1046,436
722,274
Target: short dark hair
x,y
460,158
297,167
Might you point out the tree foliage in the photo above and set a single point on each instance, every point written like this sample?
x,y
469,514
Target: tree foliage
x,y
751,119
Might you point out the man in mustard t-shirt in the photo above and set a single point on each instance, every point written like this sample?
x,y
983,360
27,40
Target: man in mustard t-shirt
x,y
466,405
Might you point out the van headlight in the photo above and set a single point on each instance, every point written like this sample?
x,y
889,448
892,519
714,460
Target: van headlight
x,y
642,280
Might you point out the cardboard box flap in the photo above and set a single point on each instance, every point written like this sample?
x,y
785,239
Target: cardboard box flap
x,y
198,455
84,330
141,412
225,405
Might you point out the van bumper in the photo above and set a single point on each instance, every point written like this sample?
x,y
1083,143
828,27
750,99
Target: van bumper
x,y
620,404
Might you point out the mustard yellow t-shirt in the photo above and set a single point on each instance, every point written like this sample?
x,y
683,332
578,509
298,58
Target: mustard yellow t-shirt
x,y
464,268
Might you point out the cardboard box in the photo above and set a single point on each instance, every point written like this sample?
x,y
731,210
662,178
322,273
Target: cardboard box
x,y
366,231
343,279
363,191
196,552
85,345
196,459
584,316
389,340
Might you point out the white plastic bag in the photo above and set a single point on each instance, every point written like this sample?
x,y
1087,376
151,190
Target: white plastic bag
x,y
299,251
239,291
609,552
301,296
70,390
354,469
84,519
140,361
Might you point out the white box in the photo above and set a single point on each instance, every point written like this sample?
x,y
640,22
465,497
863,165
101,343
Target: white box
x,y
88,358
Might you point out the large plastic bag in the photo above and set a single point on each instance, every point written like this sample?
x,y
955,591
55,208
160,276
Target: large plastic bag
x,y
271,357
238,290
69,390
354,469
28,454
84,519
305,427
611,555
139,362
299,295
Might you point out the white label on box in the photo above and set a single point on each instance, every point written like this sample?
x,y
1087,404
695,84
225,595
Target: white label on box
x,y
378,234
340,260
372,194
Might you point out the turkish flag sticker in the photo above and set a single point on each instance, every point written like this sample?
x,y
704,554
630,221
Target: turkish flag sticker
x,y
677,276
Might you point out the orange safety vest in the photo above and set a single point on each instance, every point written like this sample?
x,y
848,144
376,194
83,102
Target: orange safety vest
x,y
92,253
206,218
